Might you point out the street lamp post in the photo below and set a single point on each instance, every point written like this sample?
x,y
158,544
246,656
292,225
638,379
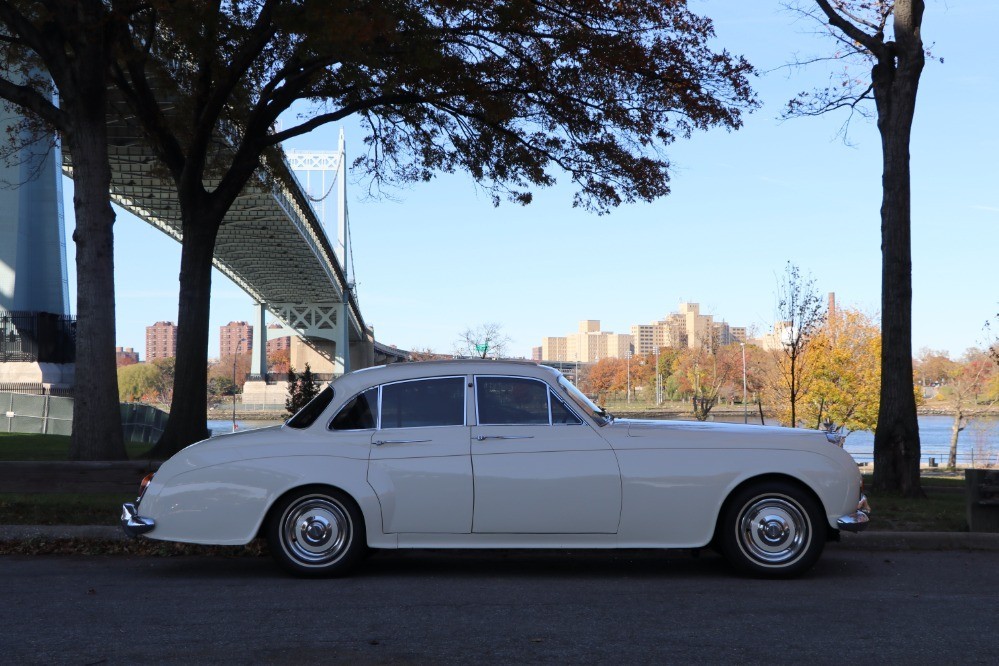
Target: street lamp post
x,y
235,356
745,408
629,377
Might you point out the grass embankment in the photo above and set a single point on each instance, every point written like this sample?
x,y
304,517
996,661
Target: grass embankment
x,y
23,446
943,510
57,508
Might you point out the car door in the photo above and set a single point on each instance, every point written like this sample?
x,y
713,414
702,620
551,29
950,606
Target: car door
x,y
538,467
419,463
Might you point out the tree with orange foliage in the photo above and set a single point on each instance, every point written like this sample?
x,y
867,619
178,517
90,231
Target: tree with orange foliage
x,y
844,369
279,361
702,373
606,376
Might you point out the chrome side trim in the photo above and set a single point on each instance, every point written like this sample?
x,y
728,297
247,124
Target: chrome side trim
x,y
482,437
132,523
380,442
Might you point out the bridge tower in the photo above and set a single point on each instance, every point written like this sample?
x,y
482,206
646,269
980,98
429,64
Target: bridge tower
x,y
324,327
36,342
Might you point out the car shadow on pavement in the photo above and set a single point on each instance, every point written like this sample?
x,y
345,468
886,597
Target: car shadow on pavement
x,y
507,564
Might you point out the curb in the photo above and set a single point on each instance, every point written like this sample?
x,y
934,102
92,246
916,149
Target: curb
x,y
15,533
879,540
866,541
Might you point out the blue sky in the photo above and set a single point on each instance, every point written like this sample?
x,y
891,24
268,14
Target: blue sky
x,y
438,258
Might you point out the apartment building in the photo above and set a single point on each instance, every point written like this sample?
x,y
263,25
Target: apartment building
x,y
588,345
125,356
687,327
275,345
235,338
161,340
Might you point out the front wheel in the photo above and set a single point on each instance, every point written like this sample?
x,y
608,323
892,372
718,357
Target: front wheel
x,y
772,529
317,532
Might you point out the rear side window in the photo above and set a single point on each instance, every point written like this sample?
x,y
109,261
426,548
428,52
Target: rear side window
x,y
511,401
423,403
360,413
312,411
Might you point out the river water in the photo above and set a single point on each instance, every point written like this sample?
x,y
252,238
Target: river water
x,y
978,444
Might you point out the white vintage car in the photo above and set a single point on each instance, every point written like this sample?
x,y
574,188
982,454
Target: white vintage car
x,y
497,454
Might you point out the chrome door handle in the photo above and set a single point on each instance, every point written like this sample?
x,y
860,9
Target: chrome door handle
x,y
379,442
482,437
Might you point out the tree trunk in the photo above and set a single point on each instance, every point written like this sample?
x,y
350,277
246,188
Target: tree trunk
x,y
97,433
896,79
955,431
188,421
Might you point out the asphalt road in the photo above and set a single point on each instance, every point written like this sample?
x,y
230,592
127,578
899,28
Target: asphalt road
x,y
436,607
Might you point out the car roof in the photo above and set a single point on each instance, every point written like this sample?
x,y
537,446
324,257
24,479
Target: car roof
x,y
381,374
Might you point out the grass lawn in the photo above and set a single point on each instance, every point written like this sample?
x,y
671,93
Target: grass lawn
x,y
22,446
943,510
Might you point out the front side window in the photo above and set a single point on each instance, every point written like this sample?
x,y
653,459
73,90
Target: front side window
x,y
424,403
360,413
562,415
511,401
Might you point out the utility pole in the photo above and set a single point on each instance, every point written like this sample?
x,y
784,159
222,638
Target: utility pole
x,y
235,357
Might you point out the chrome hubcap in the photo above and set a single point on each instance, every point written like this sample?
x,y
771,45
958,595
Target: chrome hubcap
x,y
773,530
315,530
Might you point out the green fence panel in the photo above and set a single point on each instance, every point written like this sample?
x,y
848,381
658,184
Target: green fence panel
x,y
36,414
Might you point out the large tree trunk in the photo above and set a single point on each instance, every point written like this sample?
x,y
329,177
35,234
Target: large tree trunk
x,y
188,421
97,433
896,79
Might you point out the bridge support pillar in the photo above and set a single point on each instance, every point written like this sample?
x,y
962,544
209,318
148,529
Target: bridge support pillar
x,y
258,359
342,339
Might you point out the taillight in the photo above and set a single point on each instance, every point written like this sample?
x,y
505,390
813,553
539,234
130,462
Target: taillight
x,y
143,485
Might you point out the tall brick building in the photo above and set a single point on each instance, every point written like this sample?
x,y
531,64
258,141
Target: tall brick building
x,y
235,338
161,340
125,356
275,345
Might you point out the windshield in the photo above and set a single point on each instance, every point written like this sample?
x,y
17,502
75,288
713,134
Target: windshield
x,y
599,414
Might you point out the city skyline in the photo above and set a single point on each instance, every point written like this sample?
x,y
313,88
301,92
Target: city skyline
x,y
743,204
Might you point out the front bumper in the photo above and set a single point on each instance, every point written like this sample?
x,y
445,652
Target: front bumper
x,y
857,521
132,523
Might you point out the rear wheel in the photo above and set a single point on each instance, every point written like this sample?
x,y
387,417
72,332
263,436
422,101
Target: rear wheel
x,y
317,532
772,529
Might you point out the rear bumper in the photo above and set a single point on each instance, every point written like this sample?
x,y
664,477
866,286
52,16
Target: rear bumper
x,y
132,523
858,520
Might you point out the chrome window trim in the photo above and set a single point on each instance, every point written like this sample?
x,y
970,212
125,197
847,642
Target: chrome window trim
x,y
464,403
